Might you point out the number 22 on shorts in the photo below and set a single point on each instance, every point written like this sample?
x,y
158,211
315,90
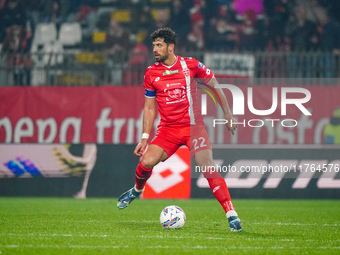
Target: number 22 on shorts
x,y
199,143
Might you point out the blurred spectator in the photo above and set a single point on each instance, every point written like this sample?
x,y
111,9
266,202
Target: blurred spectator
x,y
252,32
16,46
134,73
278,13
223,36
117,38
212,12
141,18
329,32
180,20
85,12
301,34
300,31
2,4
332,7
117,43
227,3
162,20
13,13
311,6
209,14
46,11
329,37
196,36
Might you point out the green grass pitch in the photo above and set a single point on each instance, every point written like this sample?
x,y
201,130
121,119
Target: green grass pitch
x,y
96,226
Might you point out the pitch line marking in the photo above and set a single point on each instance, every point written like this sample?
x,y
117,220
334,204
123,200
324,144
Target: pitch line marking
x,y
294,224
263,223
162,237
110,236
248,222
163,247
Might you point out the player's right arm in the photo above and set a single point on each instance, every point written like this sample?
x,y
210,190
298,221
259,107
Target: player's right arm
x,y
149,112
148,119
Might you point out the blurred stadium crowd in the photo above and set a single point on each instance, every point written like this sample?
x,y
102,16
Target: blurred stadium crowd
x,y
28,27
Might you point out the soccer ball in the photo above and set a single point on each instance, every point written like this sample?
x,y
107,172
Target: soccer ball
x,y
172,217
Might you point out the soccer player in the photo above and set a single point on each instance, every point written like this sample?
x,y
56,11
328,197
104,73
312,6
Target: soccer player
x,y
170,83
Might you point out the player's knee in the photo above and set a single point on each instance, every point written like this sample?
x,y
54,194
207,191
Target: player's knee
x,y
148,162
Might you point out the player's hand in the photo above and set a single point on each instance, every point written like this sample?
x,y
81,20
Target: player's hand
x,y
140,147
231,125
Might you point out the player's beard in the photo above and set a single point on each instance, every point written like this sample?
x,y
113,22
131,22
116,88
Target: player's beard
x,y
161,59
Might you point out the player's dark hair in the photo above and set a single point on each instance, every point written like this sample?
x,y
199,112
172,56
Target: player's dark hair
x,y
167,34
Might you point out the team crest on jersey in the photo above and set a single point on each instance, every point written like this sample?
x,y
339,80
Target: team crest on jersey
x,y
186,72
169,72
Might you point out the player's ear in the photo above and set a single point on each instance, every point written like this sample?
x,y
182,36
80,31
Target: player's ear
x,y
171,47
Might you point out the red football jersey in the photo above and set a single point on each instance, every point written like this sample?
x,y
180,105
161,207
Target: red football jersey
x,y
175,89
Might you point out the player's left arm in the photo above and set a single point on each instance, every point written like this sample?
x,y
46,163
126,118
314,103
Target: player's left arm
x,y
231,125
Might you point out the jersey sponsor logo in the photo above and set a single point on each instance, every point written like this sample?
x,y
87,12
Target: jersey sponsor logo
x,y
186,72
174,94
169,72
157,79
173,84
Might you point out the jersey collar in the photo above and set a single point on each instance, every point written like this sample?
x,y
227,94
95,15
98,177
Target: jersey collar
x,y
172,64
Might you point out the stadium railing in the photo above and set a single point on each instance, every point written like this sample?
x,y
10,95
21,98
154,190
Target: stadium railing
x,y
78,68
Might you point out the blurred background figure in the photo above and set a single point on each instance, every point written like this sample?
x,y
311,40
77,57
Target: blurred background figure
x,y
161,20
141,18
329,41
301,31
12,13
332,130
223,35
180,21
85,12
196,39
302,38
277,12
329,32
117,38
134,71
252,32
16,46
117,43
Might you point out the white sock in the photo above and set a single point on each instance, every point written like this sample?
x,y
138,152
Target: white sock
x,y
137,189
231,213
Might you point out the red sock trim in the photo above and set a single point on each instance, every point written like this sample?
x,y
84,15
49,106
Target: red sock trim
x,y
228,206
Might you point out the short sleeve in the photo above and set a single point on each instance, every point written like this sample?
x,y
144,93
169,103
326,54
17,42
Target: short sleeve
x,y
149,89
202,72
